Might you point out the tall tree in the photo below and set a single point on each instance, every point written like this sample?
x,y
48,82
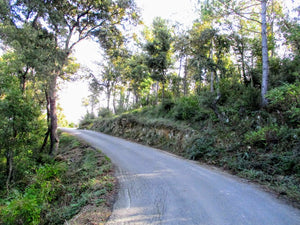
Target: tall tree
x,y
19,112
158,50
183,50
138,76
69,22
265,57
247,10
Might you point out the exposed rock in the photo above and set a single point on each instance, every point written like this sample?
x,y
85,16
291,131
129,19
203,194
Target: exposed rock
x,y
157,134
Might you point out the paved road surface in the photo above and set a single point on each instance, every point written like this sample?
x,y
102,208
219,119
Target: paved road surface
x,y
159,188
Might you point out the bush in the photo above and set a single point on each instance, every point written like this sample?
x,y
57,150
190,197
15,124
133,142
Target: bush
x,y
186,108
251,98
284,97
199,148
23,209
26,208
285,101
104,113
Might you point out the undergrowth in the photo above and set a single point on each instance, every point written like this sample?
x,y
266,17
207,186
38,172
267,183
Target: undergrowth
x,y
59,189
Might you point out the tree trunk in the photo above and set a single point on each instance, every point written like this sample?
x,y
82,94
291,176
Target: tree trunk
x,y
265,59
108,92
136,96
48,122
23,79
212,72
163,92
156,96
9,164
54,141
185,88
242,52
272,29
114,102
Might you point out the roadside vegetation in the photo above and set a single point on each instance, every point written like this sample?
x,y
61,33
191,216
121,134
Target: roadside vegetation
x,y
40,184
262,145
77,181
225,92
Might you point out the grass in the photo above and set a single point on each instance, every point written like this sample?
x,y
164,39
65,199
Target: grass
x,y
87,186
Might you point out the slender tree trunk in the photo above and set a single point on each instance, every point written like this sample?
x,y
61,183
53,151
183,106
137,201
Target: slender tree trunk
x,y
212,72
185,88
23,79
163,92
180,66
242,52
54,141
272,28
114,102
48,122
108,96
156,97
136,96
265,58
10,158
252,69
9,165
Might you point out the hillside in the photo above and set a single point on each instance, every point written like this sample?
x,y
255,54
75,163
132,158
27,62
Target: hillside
x,y
261,145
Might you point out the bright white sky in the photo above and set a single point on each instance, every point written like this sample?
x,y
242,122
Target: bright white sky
x,y
88,53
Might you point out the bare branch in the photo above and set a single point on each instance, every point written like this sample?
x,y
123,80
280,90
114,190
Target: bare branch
x,y
235,11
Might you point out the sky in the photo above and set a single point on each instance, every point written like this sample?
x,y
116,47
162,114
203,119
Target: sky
x,y
88,53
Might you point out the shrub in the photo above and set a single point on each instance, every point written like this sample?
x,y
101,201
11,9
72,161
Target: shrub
x,y
251,98
284,97
186,108
104,112
26,208
199,148
23,209
262,136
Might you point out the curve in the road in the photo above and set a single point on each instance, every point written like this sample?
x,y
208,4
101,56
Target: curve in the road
x,y
160,188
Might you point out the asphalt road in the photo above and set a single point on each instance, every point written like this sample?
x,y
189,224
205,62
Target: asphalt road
x,y
160,188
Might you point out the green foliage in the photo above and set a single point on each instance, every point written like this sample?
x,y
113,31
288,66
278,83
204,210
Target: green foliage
x,y
285,97
24,209
56,191
104,113
20,120
27,208
284,71
158,51
186,108
262,135
201,147
86,180
285,100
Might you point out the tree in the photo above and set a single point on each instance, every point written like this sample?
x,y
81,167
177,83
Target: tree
x,y
68,22
138,76
182,50
247,10
19,115
158,51
265,57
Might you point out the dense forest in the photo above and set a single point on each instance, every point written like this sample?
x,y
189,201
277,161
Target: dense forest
x,y
234,75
